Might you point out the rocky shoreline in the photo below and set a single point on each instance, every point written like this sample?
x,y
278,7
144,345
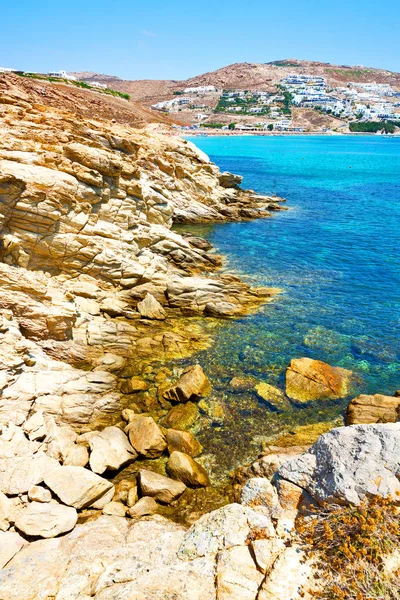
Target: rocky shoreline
x,y
97,295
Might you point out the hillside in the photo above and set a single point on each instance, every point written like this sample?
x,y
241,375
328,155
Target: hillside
x,y
84,103
245,76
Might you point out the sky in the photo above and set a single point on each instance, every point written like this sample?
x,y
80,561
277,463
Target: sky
x,y
175,39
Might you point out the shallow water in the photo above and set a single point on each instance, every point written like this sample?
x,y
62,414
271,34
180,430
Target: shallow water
x,y
335,253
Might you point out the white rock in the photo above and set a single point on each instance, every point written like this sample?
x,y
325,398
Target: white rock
x,y
288,578
5,512
115,508
237,574
46,520
10,543
110,449
39,494
35,426
19,474
160,487
76,486
150,308
225,527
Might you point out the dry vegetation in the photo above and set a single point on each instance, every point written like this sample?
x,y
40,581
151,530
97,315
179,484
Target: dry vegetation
x,y
352,547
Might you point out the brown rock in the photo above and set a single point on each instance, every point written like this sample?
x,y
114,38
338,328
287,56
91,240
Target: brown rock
x,y
159,487
183,441
373,409
186,469
308,379
134,384
144,506
146,437
150,308
193,384
242,384
273,395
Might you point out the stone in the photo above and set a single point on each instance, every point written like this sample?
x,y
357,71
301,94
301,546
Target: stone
x,y
101,502
183,441
122,489
237,574
184,468
132,496
273,395
373,409
133,385
46,520
159,487
308,380
150,308
181,416
289,577
6,512
244,383
266,551
193,384
146,437
128,414
115,508
144,506
259,491
10,543
39,494
222,309
35,426
231,525
76,486
349,463
78,456
110,449
19,474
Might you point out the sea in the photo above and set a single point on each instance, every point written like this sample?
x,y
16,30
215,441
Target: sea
x,y
335,255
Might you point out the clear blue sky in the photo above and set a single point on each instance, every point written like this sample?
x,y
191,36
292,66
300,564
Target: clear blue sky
x,y
175,39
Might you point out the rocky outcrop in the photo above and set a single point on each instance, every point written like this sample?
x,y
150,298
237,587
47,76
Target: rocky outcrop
x,y
348,464
308,379
373,409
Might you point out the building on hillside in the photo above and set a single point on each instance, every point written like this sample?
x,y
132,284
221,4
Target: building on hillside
x,y
61,75
97,84
201,89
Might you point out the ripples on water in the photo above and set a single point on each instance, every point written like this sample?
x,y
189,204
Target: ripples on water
x,y
336,255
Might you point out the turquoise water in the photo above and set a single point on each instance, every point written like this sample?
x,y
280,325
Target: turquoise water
x,y
335,253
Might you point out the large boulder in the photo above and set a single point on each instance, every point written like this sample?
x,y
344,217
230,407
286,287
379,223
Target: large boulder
x,y
19,474
110,449
193,384
146,437
186,469
349,463
150,308
373,409
159,487
77,487
231,525
308,379
10,543
46,520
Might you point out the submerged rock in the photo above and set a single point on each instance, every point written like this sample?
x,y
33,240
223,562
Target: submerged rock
x,y
181,416
308,379
273,395
193,384
183,441
373,409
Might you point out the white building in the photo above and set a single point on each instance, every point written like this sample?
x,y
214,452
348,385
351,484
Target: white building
x,y
202,89
99,85
61,75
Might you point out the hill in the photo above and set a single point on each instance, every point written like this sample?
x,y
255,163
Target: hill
x,y
263,76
